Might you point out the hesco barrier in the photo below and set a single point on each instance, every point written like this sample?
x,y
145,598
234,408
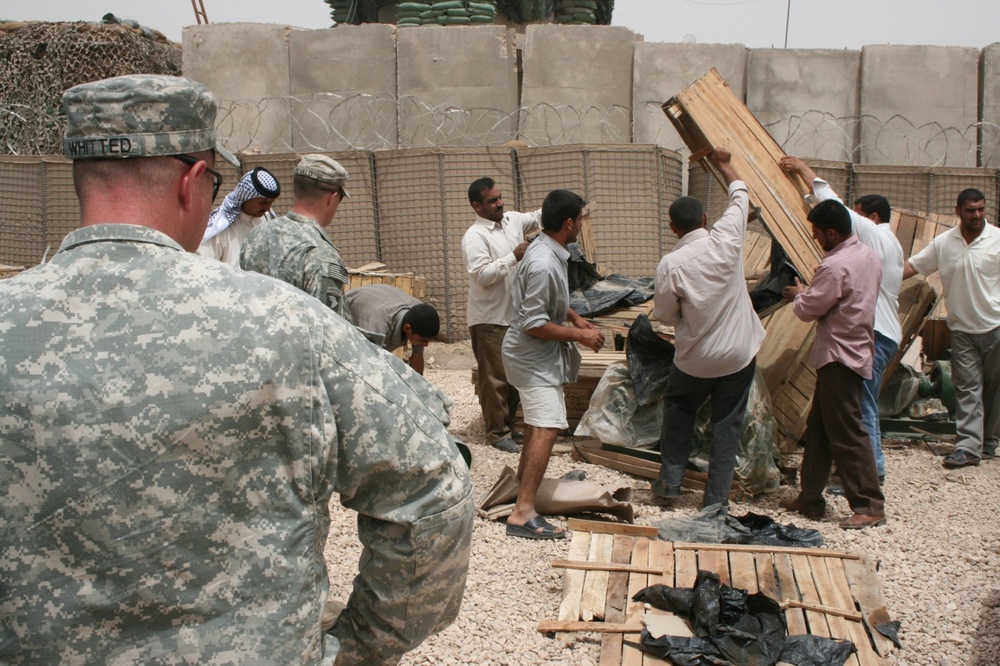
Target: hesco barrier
x,y
408,208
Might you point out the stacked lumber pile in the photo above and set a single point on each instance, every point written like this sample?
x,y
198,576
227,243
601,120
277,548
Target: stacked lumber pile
x,y
375,273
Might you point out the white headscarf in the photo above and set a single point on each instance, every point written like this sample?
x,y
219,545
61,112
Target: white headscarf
x,y
259,183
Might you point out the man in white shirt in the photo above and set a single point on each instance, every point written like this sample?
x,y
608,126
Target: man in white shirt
x,y
491,250
244,208
870,223
968,258
701,290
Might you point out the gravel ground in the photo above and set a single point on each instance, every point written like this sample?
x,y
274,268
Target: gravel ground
x,y
938,557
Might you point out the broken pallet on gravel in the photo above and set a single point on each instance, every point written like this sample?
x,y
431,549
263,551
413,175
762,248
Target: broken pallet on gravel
x,y
824,592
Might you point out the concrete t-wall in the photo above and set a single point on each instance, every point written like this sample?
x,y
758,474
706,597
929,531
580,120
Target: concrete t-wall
x,y
245,63
989,81
456,87
807,99
376,86
663,70
577,85
919,105
343,88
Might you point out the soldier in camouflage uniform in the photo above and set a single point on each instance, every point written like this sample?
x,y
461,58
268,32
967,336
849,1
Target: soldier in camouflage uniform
x,y
172,431
295,248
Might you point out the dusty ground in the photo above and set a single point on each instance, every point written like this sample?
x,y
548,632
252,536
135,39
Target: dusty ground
x,y
938,557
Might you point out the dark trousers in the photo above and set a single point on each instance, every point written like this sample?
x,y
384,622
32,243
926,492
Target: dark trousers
x,y
835,434
497,399
684,396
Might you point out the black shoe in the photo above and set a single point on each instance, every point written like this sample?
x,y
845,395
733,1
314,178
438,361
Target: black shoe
x,y
988,455
516,436
507,445
664,491
960,458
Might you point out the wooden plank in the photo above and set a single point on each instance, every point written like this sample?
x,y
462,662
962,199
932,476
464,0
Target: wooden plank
x,y
766,549
604,566
550,626
833,605
839,595
788,588
867,591
595,586
716,561
614,606
817,622
602,527
767,577
569,607
634,610
659,553
819,608
743,571
685,566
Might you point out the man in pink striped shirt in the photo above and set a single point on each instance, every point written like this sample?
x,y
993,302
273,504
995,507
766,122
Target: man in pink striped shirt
x,y
841,299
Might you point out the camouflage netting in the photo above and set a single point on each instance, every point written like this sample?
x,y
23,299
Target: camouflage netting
x,y
39,60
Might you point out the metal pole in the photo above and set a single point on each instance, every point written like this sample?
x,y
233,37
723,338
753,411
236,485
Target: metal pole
x,y
788,14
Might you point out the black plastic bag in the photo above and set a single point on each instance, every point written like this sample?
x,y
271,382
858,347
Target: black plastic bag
x,y
733,628
767,292
810,650
649,360
764,530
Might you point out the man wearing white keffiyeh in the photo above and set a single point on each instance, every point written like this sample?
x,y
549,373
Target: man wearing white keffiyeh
x,y
244,208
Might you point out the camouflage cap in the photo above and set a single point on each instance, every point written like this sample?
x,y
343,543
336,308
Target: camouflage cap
x,y
140,115
326,170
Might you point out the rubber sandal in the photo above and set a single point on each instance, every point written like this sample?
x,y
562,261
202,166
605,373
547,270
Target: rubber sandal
x,y
530,530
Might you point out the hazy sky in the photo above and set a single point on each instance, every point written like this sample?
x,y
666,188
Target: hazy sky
x,y
831,24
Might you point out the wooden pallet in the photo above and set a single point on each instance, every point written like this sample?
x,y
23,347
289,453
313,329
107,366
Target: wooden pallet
x,y
708,114
824,592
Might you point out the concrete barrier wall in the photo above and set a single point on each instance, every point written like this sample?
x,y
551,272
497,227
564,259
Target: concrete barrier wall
x,y
919,105
663,70
586,68
375,86
456,87
343,88
807,99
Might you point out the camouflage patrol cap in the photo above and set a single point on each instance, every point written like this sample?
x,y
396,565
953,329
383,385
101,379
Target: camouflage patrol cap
x,y
140,115
326,170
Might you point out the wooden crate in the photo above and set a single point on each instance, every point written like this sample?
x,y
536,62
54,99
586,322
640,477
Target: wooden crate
x,y
824,592
708,114
414,285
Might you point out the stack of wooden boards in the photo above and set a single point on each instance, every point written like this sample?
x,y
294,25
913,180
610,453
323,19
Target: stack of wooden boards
x,y
823,592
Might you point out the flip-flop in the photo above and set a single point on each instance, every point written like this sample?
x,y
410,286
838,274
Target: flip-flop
x,y
530,530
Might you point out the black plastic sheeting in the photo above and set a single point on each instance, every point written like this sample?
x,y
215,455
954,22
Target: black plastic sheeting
x,y
649,360
713,524
767,291
733,628
590,294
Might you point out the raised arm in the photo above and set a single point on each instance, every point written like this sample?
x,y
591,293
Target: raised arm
x,y
722,159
